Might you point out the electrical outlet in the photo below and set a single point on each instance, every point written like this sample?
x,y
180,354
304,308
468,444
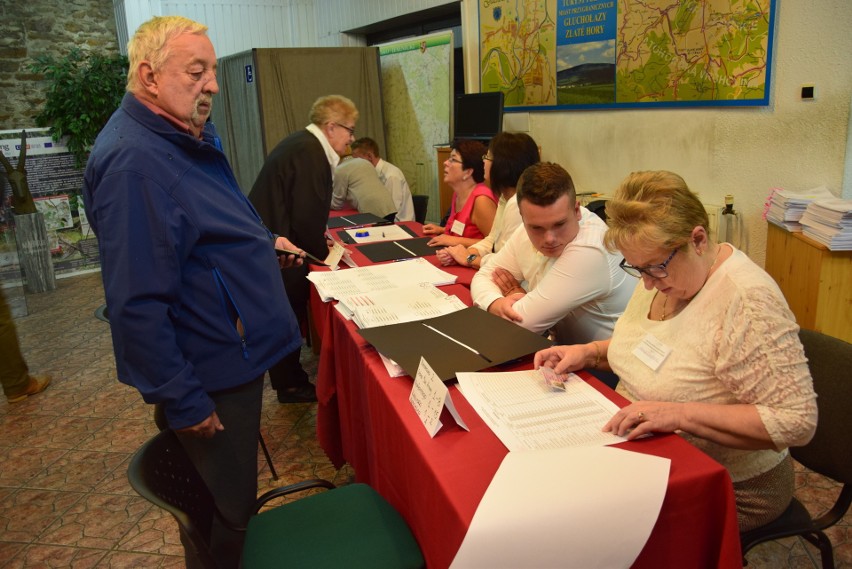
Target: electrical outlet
x,y
713,213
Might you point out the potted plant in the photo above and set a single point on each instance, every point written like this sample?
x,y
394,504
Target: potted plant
x,y
83,91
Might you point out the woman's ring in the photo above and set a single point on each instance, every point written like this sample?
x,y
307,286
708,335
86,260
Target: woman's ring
x,y
641,416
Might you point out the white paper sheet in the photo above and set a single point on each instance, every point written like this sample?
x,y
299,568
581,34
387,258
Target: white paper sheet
x,y
378,233
337,284
403,304
586,508
525,413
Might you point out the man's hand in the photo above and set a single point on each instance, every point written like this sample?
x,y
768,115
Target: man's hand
x,y
205,429
503,307
286,261
506,281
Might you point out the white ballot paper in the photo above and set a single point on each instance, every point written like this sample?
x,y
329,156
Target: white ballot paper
x,y
429,396
337,284
526,413
337,252
378,233
585,507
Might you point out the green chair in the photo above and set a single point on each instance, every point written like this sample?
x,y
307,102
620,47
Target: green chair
x,y
351,526
829,453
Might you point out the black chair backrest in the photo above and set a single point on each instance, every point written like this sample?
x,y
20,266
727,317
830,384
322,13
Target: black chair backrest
x,y
830,451
598,207
421,204
162,473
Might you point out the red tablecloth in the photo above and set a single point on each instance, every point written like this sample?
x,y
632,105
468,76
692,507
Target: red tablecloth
x,y
365,419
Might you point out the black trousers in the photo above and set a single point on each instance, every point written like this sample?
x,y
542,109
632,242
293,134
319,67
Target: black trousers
x,y
227,463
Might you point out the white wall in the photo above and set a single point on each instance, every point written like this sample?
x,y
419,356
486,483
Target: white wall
x,y
791,144
745,152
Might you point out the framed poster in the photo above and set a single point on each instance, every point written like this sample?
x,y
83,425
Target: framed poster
x,y
580,54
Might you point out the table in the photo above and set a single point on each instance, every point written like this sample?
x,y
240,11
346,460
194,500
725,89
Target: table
x,y
364,418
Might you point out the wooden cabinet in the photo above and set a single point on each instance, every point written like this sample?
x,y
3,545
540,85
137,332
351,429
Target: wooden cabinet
x,y
816,281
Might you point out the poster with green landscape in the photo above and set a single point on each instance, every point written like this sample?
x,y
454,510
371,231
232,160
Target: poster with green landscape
x,y
562,54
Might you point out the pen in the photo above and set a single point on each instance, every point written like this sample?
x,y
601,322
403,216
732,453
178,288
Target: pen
x,y
407,250
457,342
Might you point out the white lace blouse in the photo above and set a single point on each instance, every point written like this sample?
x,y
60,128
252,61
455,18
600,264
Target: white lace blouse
x,y
735,342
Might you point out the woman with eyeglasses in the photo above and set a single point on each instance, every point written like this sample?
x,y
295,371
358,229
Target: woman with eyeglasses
x,y
474,205
706,347
509,154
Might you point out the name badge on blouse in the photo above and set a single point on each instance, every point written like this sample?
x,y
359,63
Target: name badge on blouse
x,y
652,352
457,228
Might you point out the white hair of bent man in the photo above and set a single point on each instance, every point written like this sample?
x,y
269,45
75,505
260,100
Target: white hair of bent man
x,y
336,116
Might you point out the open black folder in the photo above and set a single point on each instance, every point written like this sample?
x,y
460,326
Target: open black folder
x,y
356,219
397,249
468,340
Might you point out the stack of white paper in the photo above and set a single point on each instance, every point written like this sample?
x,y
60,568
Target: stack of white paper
x,y
786,207
829,222
338,284
525,413
404,304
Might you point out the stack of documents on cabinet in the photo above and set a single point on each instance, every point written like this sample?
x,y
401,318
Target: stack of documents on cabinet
x,y
829,222
786,207
338,284
404,304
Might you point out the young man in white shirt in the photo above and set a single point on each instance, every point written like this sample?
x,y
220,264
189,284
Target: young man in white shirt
x,y
391,176
554,273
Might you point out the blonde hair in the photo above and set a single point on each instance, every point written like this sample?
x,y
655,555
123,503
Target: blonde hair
x,y
151,43
333,108
654,207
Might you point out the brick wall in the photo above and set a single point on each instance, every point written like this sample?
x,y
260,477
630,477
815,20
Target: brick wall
x,y
29,28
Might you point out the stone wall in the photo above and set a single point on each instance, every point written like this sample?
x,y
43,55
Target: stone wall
x,y
29,28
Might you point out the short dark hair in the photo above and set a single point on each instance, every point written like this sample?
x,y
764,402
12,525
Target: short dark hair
x,y
512,153
471,152
367,144
544,183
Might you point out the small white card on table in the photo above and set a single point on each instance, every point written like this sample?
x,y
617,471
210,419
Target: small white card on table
x,y
429,396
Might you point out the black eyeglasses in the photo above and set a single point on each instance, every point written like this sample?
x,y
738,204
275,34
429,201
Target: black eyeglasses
x,y
487,157
350,130
653,271
456,160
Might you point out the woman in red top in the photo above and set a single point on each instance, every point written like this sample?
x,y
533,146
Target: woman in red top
x,y
474,205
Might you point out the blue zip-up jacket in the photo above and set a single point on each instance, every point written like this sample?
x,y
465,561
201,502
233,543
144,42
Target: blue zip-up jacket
x,y
184,258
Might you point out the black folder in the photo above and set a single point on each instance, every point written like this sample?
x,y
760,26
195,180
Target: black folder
x,y
397,249
490,341
356,219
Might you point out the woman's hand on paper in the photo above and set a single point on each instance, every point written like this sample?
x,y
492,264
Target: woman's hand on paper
x,y
562,358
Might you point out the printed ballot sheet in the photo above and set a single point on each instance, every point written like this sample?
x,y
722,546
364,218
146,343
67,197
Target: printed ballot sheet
x,y
337,284
526,413
589,507
404,304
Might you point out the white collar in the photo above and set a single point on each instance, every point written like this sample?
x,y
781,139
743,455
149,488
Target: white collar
x,y
333,157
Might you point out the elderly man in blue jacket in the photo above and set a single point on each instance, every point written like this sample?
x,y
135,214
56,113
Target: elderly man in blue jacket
x,y
197,308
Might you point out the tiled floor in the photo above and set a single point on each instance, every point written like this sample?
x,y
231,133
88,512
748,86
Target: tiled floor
x,y
64,496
